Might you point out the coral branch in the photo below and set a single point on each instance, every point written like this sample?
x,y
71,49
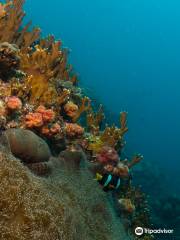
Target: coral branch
x,y
123,123
136,159
85,106
113,135
94,120
11,24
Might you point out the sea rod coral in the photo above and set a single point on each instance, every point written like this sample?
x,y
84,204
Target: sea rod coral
x,y
49,154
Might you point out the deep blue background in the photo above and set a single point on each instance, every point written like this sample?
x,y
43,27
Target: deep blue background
x,y
127,53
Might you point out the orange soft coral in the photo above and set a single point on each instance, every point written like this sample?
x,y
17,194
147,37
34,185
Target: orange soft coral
x,y
50,131
48,115
73,130
55,128
71,109
34,120
14,103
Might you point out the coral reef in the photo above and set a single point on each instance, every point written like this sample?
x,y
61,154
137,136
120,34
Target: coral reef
x,y
39,118
33,120
73,130
14,103
48,154
52,130
48,115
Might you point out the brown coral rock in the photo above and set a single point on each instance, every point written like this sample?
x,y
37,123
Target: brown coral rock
x,y
27,146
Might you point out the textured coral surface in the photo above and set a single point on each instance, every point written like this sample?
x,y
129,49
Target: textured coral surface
x,y
61,207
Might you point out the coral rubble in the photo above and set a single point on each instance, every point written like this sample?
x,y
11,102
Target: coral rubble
x,y
46,152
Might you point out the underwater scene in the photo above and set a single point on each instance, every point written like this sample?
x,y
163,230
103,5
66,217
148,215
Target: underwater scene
x,y
89,120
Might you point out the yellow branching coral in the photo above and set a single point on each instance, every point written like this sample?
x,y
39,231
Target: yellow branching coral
x,y
62,70
94,120
42,65
85,106
39,65
10,25
41,60
112,135
39,89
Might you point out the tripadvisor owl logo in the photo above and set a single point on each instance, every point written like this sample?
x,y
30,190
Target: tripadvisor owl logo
x,y
139,231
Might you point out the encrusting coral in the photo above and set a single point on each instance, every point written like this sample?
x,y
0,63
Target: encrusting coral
x,y
46,149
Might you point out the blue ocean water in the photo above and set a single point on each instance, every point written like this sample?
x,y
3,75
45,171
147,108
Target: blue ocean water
x,y
127,54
